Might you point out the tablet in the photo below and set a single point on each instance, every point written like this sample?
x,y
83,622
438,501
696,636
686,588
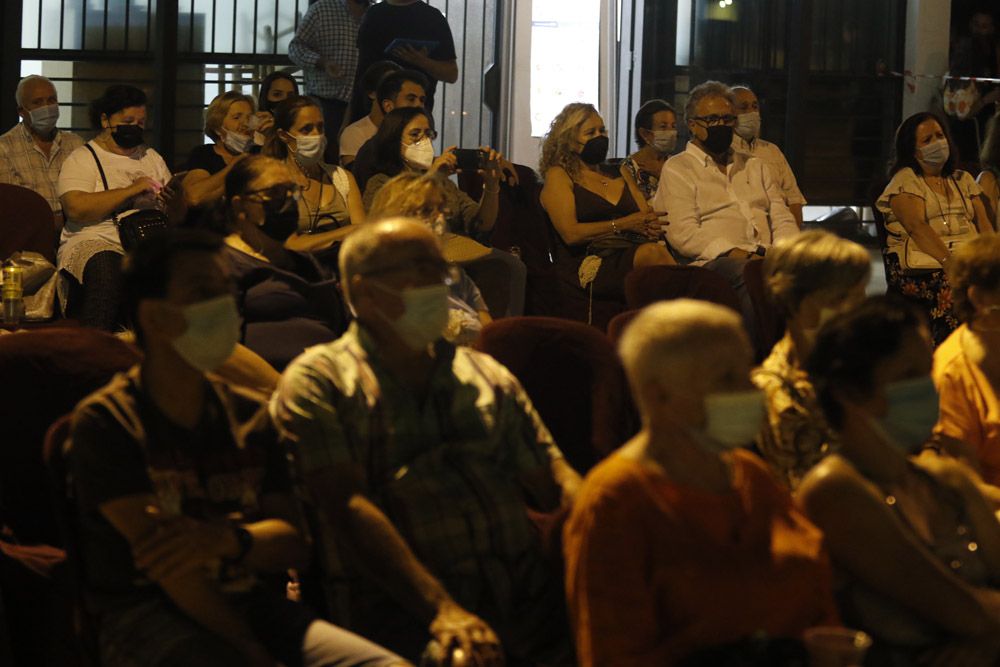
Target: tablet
x,y
415,43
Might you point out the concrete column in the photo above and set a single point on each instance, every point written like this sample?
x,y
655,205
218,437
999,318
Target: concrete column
x,y
928,29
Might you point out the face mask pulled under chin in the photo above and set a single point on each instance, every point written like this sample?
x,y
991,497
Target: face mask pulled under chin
x,y
237,143
912,413
425,314
213,329
733,419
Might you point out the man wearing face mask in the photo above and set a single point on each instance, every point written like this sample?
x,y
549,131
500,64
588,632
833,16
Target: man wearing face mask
x,y
746,140
184,497
682,541
421,456
33,152
725,207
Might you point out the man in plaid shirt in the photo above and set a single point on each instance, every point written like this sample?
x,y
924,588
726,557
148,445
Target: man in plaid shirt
x,y
33,152
421,459
325,47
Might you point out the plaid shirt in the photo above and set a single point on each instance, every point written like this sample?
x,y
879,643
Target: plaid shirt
x,y
23,163
327,32
444,468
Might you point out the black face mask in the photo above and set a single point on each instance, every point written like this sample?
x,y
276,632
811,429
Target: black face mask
x,y
127,136
719,139
595,151
280,220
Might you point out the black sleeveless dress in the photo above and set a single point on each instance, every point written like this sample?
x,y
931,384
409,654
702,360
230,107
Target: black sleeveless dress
x,y
592,207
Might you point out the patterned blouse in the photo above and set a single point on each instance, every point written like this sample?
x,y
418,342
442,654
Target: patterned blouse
x,y
646,181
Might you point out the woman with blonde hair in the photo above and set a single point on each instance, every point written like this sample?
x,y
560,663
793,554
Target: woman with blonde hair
x,y
226,124
967,363
810,278
605,227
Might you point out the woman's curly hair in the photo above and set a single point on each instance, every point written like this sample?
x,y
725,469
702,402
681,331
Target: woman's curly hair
x,y
559,142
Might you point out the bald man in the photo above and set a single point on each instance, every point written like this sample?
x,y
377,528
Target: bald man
x,y
421,457
33,152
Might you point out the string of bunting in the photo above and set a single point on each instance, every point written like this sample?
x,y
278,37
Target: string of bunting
x,y
911,79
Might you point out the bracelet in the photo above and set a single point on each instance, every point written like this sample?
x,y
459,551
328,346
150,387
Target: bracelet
x,y
614,227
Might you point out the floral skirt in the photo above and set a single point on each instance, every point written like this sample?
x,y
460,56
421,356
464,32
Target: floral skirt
x,y
929,291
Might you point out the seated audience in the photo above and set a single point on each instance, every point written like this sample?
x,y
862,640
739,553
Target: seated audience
x,y
185,504
604,225
725,207
989,161
966,370
33,151
226,124
134,177
928,206
288,300
422,196
681,541
276,87
810,278
397,90
917,545
423,457
330,203
746,140
354,136
656,134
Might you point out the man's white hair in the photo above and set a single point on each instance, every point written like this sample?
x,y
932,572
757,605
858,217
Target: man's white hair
x,y
707,89
674,341
23,85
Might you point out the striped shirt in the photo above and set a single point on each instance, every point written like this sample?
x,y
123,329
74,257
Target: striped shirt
x,y
23,163
444,467
328,32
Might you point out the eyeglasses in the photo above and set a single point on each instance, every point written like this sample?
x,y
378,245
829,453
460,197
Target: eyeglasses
x,y
427,269
714,119
276,196
417,135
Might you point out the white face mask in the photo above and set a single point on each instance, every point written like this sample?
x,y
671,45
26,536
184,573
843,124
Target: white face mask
x,y
733,419
420,154
425,314
748,125
309,149
237,143
43,119
664,141
213,329
935,153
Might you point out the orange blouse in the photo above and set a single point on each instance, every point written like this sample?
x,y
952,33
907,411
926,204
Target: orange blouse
x,y
656,571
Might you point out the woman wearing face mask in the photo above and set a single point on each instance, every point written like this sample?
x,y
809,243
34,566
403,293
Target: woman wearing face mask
x,y
681,541
919,545
276,87
810,278
596,213
928,205
288,300
90,251
656,134
226,121
966,365
330,203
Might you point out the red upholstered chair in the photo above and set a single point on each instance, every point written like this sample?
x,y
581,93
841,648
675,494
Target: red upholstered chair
x,y
574,378
616,327
45,372
26,223
770,324
649,284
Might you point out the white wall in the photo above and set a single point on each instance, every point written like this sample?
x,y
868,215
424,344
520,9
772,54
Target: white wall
x,y
928,25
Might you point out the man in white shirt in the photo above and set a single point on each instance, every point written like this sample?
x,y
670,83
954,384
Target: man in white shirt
x,y
748,142
354,136
33,152
725,207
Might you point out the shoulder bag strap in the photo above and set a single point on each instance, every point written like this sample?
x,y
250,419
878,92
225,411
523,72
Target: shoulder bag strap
x,y
104,179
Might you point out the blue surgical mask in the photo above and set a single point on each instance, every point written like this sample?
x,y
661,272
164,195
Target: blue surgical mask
x,y
425,314
733,419
213,329
913,412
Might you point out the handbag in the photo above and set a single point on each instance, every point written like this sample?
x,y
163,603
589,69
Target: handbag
x,y
958,100
135,226
913,259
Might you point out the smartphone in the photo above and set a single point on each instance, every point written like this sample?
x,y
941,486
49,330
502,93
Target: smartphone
x,y
470,159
